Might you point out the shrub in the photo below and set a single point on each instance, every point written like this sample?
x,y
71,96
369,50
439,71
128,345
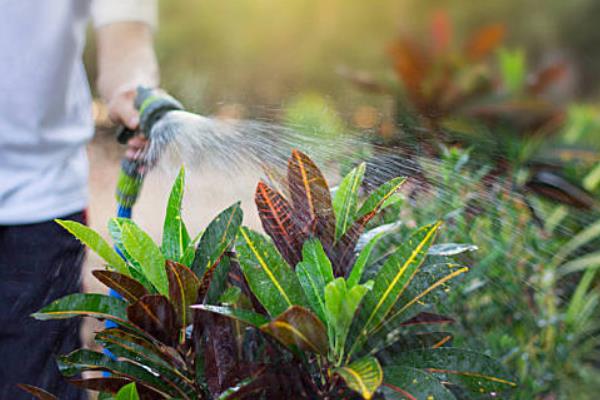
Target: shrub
x,y
295,316
533,297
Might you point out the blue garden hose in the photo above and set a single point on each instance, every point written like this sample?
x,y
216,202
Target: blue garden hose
x,y
152,105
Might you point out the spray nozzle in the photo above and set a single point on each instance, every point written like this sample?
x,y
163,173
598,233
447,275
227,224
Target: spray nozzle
x,y
152,104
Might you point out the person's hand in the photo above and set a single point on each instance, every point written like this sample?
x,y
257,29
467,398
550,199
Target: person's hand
x,y
121,110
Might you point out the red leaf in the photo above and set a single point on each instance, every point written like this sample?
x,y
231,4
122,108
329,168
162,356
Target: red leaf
x,y
278,221
485,41
411,65
220,353
554,187
311,198
343,253
547,77
441,31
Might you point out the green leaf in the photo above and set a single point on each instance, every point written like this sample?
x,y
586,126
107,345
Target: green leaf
x,y
396,330
175,236
404,382
364,376
128,392
341,304
590,261
591,232
231,295
246,316
343,254
83,360
391,282
147,254
298,327
97,306
115,228
141,349
581,297
217,283
450,249
396,343
430,279
190,251
513,70
124,349
361,262
94,241
477,372
345,202
377,200
270,278
108,386
314,272
183,289
217,238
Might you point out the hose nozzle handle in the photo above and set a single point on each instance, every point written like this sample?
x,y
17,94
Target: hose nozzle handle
x,y
152,105
124,134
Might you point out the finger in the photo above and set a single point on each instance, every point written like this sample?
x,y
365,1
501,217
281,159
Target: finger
x,y
122,110
138,141
132,154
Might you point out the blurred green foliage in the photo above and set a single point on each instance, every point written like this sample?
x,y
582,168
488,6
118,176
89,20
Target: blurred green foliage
x,y
532,295
260,52
313,115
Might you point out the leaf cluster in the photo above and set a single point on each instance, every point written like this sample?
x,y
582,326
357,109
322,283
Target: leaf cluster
x,y
307,313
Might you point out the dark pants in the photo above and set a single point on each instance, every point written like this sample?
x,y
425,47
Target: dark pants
x,y
39,263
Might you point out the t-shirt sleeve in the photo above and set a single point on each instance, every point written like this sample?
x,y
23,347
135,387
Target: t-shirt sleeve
x,y
106,12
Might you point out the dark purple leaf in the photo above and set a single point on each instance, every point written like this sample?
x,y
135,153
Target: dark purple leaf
x,y
155,315
129,288
36,392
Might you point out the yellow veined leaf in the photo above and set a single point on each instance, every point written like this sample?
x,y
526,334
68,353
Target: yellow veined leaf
x,y
363,376
298,327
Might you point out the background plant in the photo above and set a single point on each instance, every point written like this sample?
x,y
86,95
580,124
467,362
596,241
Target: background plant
x,y
533,293
481,96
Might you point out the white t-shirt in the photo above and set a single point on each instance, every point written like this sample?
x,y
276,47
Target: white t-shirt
x,y
45,104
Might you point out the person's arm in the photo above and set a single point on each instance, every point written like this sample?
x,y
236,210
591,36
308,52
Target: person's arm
x,y
126,58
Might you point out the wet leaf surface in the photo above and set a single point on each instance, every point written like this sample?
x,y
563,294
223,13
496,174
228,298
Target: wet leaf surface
x,y
129,288
279,222
298,327
183,289
217,238
271,279
156,316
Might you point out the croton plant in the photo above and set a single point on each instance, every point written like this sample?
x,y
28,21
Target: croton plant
x,y
304,313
